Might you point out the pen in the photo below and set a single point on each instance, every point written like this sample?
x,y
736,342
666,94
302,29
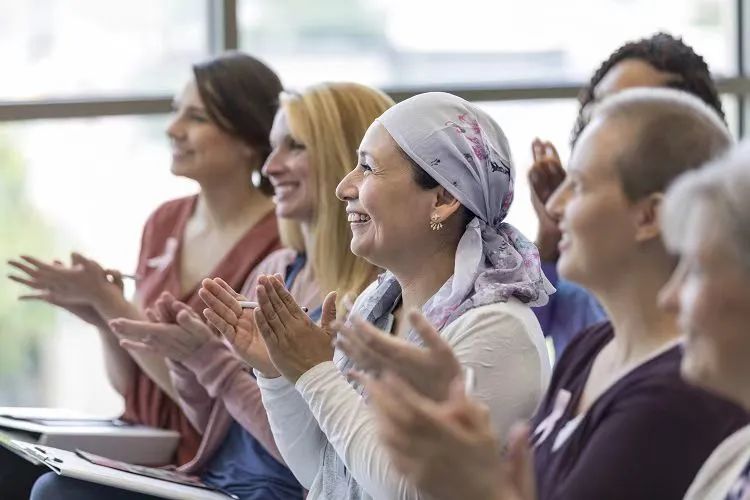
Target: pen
x,y
246,304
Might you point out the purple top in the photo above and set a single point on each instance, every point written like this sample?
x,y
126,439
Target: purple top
x,y
644,437
570,309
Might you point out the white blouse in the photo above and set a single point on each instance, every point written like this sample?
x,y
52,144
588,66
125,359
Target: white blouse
x,y
501,342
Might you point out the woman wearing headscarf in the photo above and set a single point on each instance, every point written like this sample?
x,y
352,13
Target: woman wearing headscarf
x,y
426,203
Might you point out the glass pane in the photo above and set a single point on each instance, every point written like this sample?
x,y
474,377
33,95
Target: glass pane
x,y
65,48
414,42
86,185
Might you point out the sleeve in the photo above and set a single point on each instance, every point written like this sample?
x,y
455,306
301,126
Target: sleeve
x,y
220,375
569,310
294,427
349,425
650,445
193,398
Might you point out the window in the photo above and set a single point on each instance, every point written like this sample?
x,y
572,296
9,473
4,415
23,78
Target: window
x,y
70,48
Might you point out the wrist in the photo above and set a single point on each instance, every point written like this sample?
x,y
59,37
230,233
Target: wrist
x,y
106,302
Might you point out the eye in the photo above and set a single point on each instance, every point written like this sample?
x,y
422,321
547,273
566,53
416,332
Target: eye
x,y
198,117
365,167
296,145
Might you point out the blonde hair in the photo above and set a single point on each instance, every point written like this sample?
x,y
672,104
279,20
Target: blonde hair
x,y
330,119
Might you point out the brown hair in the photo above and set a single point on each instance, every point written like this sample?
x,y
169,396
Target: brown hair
x,y
240,94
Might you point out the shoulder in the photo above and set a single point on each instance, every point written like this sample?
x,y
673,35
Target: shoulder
x,y
509,323
723,466
277,261
170,211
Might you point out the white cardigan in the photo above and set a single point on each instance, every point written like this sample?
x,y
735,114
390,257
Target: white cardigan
x,y
722,469
501,342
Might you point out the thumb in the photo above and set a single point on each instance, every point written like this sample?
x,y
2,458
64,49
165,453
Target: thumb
x,y
520,461
77,259
328,314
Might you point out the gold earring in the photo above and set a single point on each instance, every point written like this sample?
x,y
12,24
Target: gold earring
x,y
435,223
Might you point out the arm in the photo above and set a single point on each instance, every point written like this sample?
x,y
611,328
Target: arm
x,y
296,431
221,375
194,400
494,343
112,305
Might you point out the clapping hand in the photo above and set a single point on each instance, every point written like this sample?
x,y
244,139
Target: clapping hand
x,y
236,324
295,343
428,369
545,176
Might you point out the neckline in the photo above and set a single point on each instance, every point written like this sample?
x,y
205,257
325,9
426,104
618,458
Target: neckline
x,y
177,259
573,405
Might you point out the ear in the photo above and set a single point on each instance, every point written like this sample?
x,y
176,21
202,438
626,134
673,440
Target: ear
x,y
445,204
648,217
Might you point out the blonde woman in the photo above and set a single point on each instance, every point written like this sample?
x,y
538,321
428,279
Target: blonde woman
x,y
314,138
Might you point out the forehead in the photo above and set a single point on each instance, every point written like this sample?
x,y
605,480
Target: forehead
x,y
280,127
600,144
189,95
631,73
377,142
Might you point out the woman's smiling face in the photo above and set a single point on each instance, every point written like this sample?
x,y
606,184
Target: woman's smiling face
x,y
389,213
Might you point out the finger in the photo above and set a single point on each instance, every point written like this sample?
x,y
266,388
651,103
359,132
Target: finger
x,y
379,343
131,345
193,325
287,310
366,359
23,268
220,307
178,306
268,334
220,300
29,283
551,152
328,314
428,333
231,291
521,460
152,315
41,266
163,306
268,311
137,330
536,150
224,328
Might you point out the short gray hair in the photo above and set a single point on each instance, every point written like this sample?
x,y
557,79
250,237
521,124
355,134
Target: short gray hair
x,y
669,132
724,186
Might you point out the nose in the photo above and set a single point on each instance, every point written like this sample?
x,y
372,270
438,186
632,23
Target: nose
x,y
669,295
274,164
348,188
175,128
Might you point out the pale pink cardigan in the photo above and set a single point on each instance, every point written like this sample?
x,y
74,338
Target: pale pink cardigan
x,y
215,387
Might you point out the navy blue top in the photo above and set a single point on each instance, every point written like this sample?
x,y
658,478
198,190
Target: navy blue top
x,y
242,466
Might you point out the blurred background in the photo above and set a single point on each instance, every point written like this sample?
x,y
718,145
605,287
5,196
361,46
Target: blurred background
x,y
86,88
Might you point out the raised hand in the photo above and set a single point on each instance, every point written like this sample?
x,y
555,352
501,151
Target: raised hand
x,y
176,341
448,449
236,324
76,288
295,343
428,369
545,176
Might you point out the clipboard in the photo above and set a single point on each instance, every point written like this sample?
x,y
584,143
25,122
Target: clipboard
x,y
89,467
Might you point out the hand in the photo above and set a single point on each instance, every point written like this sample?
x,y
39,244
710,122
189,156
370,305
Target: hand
x,y
545,176
448,449
177,341
295,343
236,324
85,282
429,370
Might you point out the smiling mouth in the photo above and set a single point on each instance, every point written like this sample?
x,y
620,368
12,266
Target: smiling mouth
x,y
355,218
